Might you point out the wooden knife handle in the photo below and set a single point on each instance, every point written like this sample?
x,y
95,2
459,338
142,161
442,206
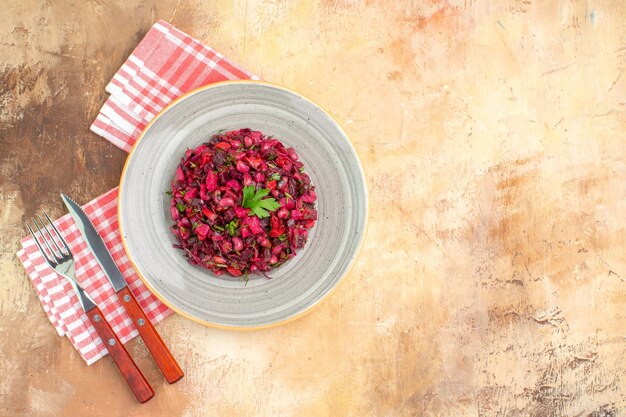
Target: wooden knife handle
x,y
161,354
135,379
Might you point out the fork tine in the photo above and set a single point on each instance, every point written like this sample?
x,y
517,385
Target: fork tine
x,y
43,252
50,234
66,246
45,239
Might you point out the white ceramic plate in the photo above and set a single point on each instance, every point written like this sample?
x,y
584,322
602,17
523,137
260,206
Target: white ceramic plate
x,y
299,284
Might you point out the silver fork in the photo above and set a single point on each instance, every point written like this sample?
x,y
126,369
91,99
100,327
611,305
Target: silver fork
x,y
61,260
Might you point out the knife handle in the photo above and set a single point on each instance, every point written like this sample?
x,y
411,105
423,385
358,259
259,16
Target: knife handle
x,y
135,379
161,354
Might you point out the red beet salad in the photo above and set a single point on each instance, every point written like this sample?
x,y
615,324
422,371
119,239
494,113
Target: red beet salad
x,y
241,203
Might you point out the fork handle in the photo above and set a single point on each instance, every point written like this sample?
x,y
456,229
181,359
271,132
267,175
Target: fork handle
x,y
161,354
135,379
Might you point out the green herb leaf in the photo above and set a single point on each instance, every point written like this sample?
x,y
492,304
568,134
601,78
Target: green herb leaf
x,y
181,207
282,237
232,227
168,192
275,176
248,193
255,201
301,169
260,194
269,204
219,228
260,212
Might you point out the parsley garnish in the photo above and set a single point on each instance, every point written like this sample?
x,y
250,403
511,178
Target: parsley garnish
x,y
168,193
275,176
181,207
255,202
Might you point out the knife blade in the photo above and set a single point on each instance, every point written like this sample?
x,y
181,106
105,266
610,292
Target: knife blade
x,y
161,354
95,243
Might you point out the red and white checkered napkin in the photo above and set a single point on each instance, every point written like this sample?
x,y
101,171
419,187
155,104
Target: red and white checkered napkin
x,y
61,302
165,64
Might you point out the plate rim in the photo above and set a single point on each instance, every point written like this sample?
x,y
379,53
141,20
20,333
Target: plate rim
x,y
234,327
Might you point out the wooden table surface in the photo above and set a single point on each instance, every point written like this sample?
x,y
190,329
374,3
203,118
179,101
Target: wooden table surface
x,y
492,279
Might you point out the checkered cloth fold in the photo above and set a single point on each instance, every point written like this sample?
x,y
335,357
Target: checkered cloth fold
x,y
164,65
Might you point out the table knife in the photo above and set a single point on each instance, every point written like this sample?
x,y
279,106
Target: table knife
x,y
161,354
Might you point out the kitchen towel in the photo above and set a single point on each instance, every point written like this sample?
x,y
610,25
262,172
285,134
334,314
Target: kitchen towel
x,y
164,65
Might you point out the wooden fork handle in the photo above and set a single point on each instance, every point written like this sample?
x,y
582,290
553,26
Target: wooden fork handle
x,y
135,379
161,354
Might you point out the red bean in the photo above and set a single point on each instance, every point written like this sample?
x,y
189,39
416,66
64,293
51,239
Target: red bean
x,y
263,241
237,243
227,202
283,213
242,167
292,154
227,246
